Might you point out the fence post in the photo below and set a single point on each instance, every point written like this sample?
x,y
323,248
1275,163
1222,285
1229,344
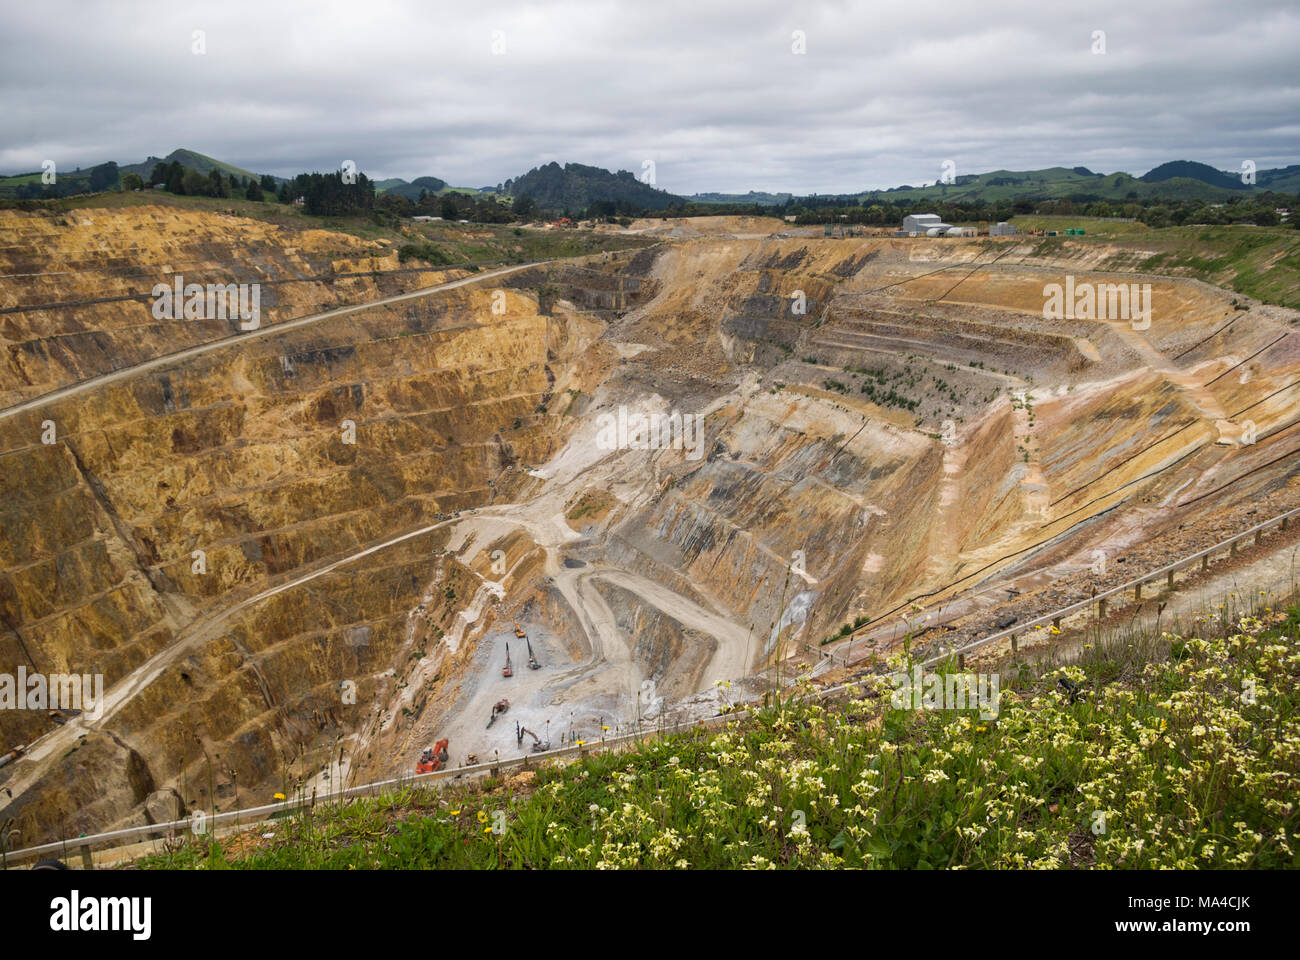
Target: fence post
x,y
87,861
1205,563
1232,551
1056,622
1170,581
1101,609
1015,646
1137,591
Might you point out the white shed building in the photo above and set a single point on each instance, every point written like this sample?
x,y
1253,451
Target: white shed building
x,y
923,222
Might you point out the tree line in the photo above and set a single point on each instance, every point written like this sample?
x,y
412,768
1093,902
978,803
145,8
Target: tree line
x,y
333,194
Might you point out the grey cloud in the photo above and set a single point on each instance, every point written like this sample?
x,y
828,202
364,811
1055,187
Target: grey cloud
x,y
710,92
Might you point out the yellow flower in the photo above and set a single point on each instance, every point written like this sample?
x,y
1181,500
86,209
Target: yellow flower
x,y
482,816
279,796
455,813
487,829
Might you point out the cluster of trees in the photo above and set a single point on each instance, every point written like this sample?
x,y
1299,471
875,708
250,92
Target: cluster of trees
x,y
330,194
576,186
322,194
1259,209
93,180
185,181
482,208
453,205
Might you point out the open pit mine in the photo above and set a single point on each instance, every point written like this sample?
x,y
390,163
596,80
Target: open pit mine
x,y
658,480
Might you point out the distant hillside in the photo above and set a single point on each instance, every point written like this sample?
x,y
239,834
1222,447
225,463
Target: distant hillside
x,y
754,196
575,187
413,188
1192,170
104,176
1281,179
1177,180
195,161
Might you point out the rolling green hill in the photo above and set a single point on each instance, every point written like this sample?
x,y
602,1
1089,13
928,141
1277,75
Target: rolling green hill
x,y
1190,170
753,196
1177,180
576,187
413,188
189,158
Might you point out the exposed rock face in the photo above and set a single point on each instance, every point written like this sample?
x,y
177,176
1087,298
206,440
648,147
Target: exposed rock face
x,y
164,806
95,269
270,458
297,559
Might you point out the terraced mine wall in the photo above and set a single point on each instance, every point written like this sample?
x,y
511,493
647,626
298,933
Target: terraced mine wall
x,y
267,459
1113,416
73,285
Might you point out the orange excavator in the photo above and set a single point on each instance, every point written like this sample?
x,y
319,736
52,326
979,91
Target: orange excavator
x,y
507,670
433,759
518,632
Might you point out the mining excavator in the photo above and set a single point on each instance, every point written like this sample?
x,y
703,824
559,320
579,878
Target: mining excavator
x,y
498,708
434,758
532,660
538,745
507,670
518,632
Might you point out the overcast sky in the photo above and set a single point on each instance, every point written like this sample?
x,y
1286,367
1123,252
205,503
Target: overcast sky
x,y
711,92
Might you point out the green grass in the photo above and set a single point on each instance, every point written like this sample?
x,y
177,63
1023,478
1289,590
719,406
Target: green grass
x,y
1261,262
1161,763
1094,226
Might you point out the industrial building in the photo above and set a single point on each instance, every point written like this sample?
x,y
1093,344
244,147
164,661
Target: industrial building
x,y
1002,229
923,223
